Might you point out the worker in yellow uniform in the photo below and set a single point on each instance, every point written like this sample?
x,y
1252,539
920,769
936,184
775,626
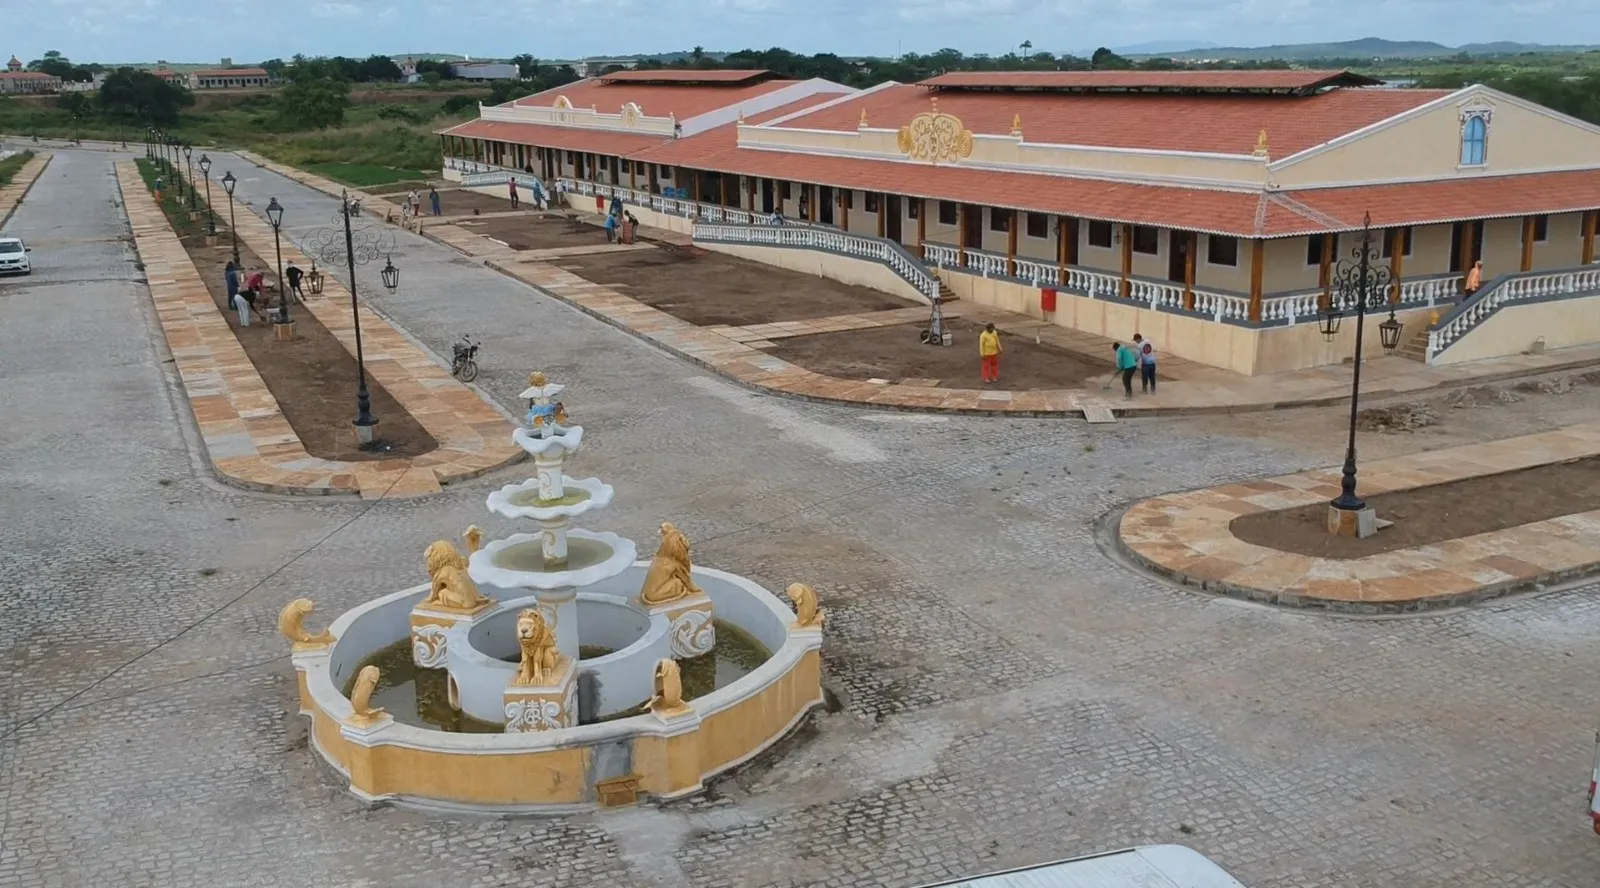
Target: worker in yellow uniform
x,y
989,351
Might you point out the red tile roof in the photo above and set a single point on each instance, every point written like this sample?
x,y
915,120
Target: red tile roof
x,y
567,138
26,75
1208,123
1422,203
1148,80
694,149
232,72
682,101
681,75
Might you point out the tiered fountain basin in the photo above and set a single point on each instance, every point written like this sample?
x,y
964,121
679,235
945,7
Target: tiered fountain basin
x,y
402,757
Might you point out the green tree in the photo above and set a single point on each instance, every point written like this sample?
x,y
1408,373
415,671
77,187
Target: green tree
x,y
527,66
317,95
138,96
57,65
75,103
1106,60
378,68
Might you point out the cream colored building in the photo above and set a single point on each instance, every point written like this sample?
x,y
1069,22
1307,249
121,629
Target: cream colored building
x,y
1211,210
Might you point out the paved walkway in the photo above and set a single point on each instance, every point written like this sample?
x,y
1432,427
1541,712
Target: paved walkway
x,y
12,194
1187,536
247,438
1188,387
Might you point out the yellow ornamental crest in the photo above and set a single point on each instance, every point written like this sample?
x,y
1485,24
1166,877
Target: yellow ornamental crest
x,y
935,138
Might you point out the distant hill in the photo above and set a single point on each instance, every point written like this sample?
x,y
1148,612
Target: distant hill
x,y
1365,48
1156,47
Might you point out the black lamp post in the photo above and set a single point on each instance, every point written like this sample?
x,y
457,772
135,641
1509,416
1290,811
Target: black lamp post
x,y
228,181
275,217
1360,285
211,216
188,160
346,243
172,164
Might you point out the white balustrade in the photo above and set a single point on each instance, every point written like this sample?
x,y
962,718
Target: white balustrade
x,y
829,240
1430,290
1040,274
941,255
1526,287
1094,284
1222,306
986,264
1294,308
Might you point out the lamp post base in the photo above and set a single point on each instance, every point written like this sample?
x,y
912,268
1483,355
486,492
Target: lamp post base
x,y
283,331
1359,523
365,432
211,240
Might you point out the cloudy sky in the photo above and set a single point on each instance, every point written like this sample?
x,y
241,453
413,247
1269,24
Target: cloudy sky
x,y
252,30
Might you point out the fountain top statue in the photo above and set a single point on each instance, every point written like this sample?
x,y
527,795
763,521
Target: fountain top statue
x,y
546,417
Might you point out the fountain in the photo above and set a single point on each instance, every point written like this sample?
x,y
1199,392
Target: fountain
x,y
572,673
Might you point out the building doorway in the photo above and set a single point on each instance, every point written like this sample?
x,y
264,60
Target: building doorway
x,y
972,226
1472,239
1181,242
891,222
825,204
766,196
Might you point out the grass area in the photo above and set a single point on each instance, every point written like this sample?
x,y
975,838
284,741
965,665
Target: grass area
x,y
177,211
13,165
365,175
385,129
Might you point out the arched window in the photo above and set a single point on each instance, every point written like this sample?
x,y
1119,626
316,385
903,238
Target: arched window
x,y
1474,140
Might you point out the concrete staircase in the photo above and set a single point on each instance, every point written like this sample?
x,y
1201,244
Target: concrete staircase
x,y
1416,348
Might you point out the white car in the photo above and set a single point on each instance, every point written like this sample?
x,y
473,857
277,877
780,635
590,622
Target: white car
x,y
14,256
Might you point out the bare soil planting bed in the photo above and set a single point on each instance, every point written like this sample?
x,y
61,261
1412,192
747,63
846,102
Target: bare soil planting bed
x,y
536,231
1427,515
895,354
313,377
708,289
461,202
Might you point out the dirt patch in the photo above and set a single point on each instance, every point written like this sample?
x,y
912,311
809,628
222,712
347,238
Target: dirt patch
x,y
537,231
708,289
1396,418
461,202
312,377
1428,515
896,354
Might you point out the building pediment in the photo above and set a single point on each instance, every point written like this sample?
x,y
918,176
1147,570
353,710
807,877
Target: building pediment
x,y
628,118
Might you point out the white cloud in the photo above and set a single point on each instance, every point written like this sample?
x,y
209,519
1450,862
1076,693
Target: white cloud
x,y
335,10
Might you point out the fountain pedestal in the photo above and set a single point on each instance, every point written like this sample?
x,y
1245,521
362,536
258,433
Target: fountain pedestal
x,y
693,633
546,706
428,627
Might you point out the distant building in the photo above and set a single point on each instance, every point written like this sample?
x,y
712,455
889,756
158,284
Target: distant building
x,y
408,71
16,81
485,71
162,71
230,78
593,67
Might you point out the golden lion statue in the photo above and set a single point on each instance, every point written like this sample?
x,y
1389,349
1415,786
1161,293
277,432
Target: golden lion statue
x,y
291,625
807,615
452,588
538,644
362,712
668,699
669,579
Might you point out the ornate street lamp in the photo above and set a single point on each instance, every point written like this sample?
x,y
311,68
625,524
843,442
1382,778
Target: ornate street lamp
x,y
275,217
188,159
211,216
1360,284
172,164
228,181
351,245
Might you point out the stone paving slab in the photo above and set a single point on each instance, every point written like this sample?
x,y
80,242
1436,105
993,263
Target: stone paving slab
x,y
247,438
1187,387
12,195
1187,536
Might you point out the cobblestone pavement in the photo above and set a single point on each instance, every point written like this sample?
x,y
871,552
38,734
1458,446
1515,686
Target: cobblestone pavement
x,y
1008,695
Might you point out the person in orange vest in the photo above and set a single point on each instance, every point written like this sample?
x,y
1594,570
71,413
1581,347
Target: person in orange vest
x,y
1474,278
989,353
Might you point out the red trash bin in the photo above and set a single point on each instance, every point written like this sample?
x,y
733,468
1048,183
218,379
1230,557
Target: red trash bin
x,y
1047,299
599,203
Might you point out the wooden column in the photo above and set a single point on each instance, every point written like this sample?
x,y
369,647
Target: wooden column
x,y
653,183
1193,241
961,235
1527,243
1127,261
633,176
1325,270
813,194
1258,255
844,195
1465,247
883,203
1071,254
1061,249
1397,260
751,182
722,187
694,185
1590,220
1011,242
922,226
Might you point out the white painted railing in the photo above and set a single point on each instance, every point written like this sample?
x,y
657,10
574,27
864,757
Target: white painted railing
x,y
1430,290
842,243
1508,290
941,255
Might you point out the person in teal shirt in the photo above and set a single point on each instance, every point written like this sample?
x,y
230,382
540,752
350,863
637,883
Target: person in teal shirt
x,y
1127,364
